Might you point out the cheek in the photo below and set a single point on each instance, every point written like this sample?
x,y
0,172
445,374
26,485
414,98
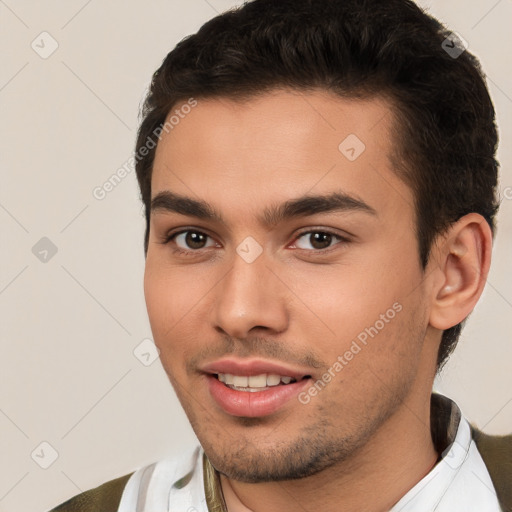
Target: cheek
x,y
170,291
166,302
378,363
157,298
164,312
347,302
376,319
175,301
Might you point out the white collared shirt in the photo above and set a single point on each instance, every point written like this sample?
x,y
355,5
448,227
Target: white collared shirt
x,y
459,482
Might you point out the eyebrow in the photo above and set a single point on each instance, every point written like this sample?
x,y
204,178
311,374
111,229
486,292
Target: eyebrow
x,y
303,206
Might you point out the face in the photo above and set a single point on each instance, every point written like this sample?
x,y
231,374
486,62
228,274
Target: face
x,y
283,282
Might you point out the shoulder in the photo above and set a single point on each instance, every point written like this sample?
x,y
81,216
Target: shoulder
x,y
496,452
106,498
178,477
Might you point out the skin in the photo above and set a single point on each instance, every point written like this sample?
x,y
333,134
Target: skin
x,y
364,440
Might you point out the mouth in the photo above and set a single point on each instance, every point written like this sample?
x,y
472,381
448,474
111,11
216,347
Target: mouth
x,y
256,383
254,388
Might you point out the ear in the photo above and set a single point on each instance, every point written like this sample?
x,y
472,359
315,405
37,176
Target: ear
x,y
463,258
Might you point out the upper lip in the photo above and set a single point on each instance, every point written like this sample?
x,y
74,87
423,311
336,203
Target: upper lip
x,y
250,367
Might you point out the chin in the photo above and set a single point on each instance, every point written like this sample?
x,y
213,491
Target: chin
x,y
306,456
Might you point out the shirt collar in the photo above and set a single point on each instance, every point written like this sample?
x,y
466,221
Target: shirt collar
x,y
445,417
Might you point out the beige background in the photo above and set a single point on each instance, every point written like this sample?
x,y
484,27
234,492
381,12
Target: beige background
x,y
69,326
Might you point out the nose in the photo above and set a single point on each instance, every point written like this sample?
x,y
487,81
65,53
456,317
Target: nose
x,y
250,296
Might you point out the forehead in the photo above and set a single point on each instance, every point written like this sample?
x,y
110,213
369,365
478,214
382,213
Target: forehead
x,y
280,145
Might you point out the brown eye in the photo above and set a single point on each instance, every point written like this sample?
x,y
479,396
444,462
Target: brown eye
x,y
190,240
195,240
317,240
320,240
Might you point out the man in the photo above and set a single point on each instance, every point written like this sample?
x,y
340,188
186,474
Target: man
x,y
319,179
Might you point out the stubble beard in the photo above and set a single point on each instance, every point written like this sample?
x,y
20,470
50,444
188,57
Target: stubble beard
x,y
314,449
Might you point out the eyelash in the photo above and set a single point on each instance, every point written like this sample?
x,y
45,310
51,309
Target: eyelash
x,y
184,252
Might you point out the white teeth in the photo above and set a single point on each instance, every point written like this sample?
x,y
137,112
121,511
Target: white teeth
x,y
254,382
258,381
273,380
240,381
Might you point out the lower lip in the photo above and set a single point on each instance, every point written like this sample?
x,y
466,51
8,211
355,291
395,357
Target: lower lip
x,y
253,404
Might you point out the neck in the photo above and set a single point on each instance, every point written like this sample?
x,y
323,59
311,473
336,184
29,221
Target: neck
x,y
397,457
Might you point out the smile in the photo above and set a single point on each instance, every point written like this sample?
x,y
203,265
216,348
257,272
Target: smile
x,y
254,383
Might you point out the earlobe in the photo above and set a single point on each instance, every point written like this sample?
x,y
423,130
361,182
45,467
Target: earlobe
x,y
464,259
